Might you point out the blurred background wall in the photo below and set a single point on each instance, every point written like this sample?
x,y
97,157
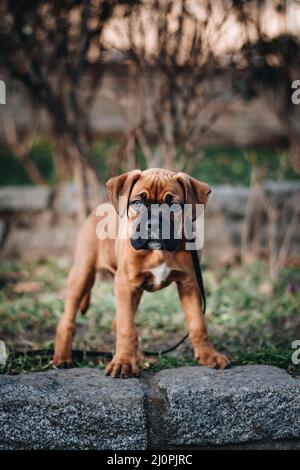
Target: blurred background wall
x,y
95,88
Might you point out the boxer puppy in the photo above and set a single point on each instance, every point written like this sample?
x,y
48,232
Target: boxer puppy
x,y
144,260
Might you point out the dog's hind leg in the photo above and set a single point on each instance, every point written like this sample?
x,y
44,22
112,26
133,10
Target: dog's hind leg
x,y
80,282
85,303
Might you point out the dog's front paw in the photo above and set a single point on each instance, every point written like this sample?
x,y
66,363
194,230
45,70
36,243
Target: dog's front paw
x,y
62,362
209,357
122,366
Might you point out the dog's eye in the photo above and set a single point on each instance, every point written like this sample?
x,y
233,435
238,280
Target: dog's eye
x,y
171,202
169,199
137,204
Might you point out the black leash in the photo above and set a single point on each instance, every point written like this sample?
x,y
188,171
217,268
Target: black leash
x,y
80,354
199,277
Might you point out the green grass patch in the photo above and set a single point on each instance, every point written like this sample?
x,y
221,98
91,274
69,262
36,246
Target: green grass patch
x,y
244,322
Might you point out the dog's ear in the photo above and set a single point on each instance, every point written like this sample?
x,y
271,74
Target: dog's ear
x,y
195,192
121,186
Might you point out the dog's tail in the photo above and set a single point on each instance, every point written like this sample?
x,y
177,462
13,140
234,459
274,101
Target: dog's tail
x,y
85,303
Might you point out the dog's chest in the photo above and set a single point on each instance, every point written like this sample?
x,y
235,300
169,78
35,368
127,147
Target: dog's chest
x,y
159,276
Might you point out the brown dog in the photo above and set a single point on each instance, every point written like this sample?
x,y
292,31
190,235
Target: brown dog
x,y
151,265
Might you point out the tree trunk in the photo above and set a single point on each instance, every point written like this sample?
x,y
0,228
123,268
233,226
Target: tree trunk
x,y
61,159
32,170
94,186
81,194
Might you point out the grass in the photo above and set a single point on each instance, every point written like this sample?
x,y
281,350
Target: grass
x,y
246,321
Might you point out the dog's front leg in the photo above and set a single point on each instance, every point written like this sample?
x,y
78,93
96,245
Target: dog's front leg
x,y
124,362
204,351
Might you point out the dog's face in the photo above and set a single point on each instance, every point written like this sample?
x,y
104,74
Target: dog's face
x,y
154,225
153,201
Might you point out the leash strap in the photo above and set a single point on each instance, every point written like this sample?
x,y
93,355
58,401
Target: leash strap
x,y
199,277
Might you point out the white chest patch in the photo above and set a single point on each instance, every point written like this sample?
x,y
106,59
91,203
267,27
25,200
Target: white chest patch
x,y
160,273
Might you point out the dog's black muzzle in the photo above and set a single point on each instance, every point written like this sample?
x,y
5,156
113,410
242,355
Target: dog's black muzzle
x,y
155,230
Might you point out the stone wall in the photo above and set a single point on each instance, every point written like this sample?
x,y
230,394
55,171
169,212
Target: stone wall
x,y
40,222
254,406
